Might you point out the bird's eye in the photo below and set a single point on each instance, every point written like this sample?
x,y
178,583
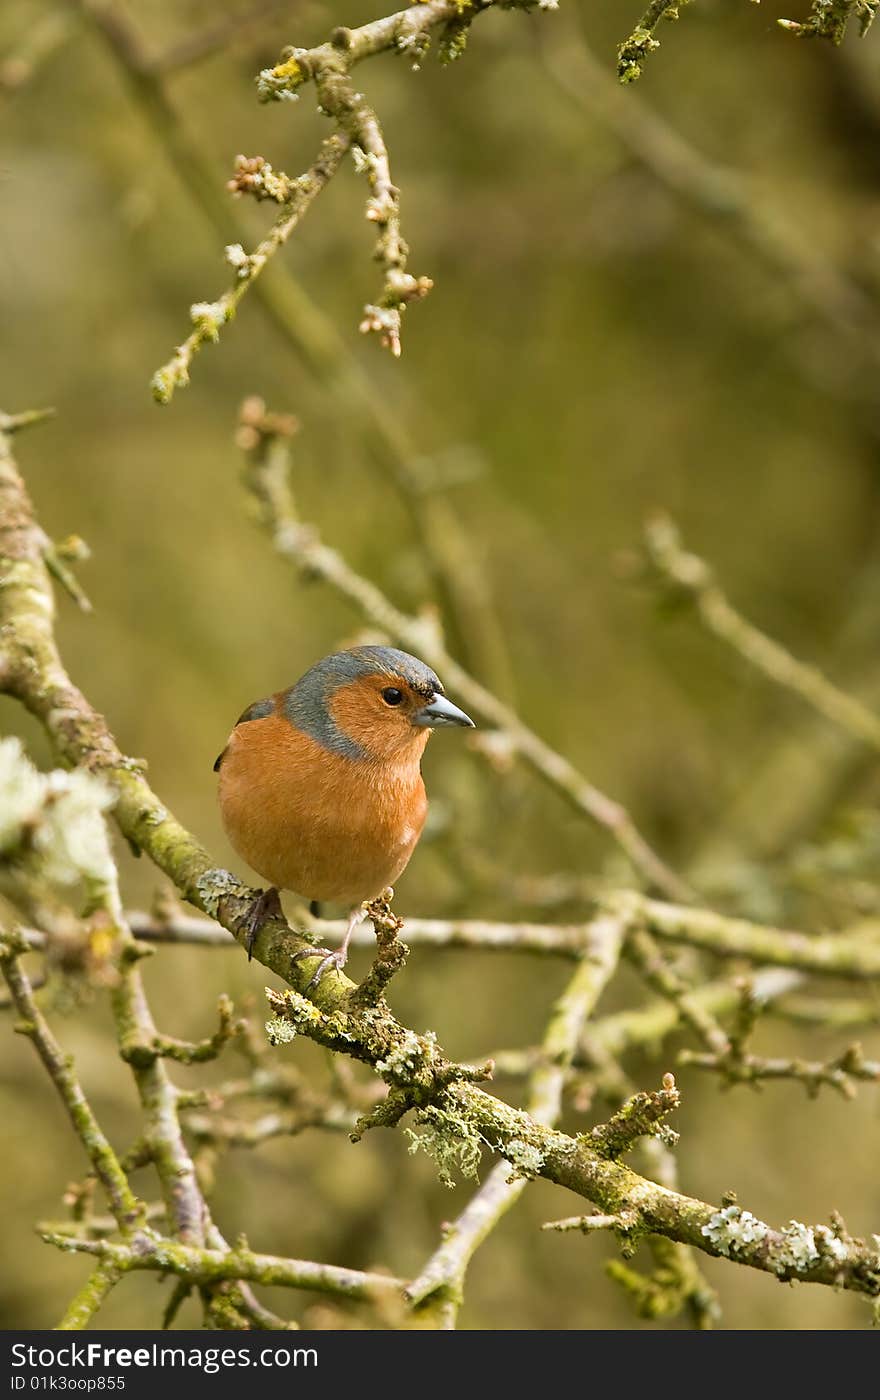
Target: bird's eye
x,y
391,695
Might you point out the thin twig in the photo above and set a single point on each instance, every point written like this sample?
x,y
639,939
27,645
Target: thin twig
x,y
692,578
552,940
453,562
840,955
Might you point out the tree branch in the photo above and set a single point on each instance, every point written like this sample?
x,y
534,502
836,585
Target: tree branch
x,y
438,1289
691,578
414,1066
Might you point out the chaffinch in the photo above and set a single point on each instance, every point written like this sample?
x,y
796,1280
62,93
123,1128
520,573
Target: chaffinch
x,y
321,789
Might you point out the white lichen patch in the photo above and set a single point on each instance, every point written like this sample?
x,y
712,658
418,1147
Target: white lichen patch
x,y
733,1229
829,1244
798,1249
407,1058
52,826
238,258
272,88
279,1031
364,161
208,317
21,791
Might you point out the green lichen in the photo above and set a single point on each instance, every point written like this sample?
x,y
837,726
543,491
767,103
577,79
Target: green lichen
x,y
452,40
215,885
299,1013
279,1031
209,316
632,52
829,19
455,1144
174,375
409,1058
525,1159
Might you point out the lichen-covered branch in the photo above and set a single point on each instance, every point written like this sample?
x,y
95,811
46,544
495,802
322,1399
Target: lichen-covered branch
x,y
838,1073
438,1289
643,952
90,1298
637,45
407,32
208,318
844,955
211,1266
329,67
830,19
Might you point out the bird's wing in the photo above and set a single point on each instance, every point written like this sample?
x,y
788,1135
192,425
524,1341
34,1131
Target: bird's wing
x,y
258,710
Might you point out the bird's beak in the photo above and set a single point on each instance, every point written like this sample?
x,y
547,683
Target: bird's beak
x,y
440,711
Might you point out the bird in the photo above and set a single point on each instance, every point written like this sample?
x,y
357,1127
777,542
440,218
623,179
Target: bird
x,y
320,785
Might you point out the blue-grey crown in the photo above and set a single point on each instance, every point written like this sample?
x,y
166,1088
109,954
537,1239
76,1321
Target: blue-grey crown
x,y
306,703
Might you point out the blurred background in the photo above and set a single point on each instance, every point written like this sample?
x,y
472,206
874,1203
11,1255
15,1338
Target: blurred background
x,y
619,323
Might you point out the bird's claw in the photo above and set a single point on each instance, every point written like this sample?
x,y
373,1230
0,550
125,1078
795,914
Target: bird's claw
x,y
330,957
266,905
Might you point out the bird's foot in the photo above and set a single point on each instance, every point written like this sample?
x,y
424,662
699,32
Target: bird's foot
x,y
266,905
330,957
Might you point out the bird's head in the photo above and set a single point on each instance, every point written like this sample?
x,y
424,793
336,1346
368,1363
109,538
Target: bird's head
x,y
371,703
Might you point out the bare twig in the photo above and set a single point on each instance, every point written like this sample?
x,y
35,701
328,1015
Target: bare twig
x,y
842,955
211,1266
128,1210
692,579
552,940
209,317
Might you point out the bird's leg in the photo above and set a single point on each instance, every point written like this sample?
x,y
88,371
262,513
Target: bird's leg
x,y
338,957
267,905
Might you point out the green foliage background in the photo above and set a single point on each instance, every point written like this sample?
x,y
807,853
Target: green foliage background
x,y
598,350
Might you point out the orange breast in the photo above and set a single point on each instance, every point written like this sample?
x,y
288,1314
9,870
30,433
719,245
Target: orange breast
x,y
312,821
